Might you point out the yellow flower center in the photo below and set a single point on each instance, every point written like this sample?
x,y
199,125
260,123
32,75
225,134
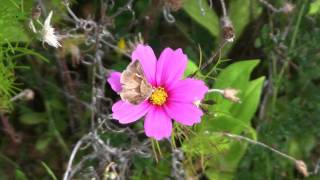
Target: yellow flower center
x,y
159,96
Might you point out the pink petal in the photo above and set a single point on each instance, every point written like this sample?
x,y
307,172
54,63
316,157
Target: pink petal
x,y
157,124
148,60
170,67
188,90
184,113
114,81
126,113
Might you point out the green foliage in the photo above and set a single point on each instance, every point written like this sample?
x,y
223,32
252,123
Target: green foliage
x,y
7,79
20,175
314,7
191,68
33,118
228,117
53,177
207,18
8,54
291,123
147,168
241,13
12,14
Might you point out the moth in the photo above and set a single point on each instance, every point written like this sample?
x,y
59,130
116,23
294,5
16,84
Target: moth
x,y
135,87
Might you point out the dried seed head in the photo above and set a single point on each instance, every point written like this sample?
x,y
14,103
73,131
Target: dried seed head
x,y
288,8
36,12
48,33
173,5
302,168
231,94
28,94
227,29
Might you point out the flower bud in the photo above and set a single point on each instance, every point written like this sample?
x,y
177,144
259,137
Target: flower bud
x,y
231,94
28,94
302,168
288,8
227,29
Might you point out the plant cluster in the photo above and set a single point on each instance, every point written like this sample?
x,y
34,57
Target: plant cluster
x,y
221,89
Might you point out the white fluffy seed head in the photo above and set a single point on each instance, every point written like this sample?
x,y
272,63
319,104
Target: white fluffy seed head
x,y
48,34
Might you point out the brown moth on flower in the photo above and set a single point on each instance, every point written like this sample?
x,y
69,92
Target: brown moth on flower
x,y
135,87
172,96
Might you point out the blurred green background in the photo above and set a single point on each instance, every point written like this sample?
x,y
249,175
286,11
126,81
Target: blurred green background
x,y
273,61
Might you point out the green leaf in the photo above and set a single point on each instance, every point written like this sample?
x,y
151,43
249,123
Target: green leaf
x,y
7,79
314,7
226,163
33,118
11,22
208,19
191,68
235,76
228,117
43,142
20,175
49,171
223,122
250,100
240,12
26,51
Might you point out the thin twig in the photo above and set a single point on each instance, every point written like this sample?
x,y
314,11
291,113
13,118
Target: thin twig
x,y
251,141
224,9
216,90
9,130
211,59
317,168
73,155
287,8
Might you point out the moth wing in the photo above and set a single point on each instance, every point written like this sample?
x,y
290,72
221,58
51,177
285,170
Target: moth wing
x,y
129,81
145,89
135,87
132,76
131,96
139,70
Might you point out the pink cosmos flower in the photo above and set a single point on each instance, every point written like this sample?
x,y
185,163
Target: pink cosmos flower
x,y
173,97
